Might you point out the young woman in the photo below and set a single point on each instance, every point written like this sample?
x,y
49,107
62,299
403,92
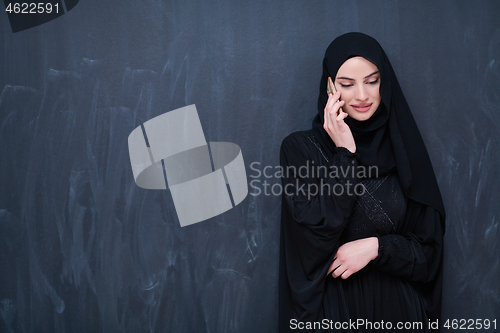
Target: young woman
x,y
362,229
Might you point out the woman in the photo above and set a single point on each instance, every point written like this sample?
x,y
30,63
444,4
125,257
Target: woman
x,y
363,242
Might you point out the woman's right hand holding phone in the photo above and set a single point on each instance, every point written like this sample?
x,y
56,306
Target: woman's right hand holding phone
x,y
334,123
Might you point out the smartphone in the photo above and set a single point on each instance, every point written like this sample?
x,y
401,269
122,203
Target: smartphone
x,y
330,89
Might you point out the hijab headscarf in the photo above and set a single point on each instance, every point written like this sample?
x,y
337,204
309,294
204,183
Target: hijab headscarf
x,y
390,138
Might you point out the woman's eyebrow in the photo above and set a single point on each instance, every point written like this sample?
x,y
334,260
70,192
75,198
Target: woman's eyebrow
x,y
344,78
348,78
376,72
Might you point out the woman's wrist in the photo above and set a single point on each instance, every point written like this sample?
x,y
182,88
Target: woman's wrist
x,y
374,247
351,148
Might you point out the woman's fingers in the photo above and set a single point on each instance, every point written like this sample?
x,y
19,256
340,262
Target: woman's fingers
x,y
332,99
334,125
340,271
331,109
345,114
327,113
332,267
337,269
331,103
345,274
335,273
341,115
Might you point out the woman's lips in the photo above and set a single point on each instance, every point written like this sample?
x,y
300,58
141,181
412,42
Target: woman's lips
x,y
362,107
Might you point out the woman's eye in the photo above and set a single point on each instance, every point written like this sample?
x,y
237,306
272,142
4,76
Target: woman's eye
x,y
345,85
373,82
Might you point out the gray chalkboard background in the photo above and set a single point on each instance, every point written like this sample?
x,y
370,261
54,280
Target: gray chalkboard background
x,y
83,249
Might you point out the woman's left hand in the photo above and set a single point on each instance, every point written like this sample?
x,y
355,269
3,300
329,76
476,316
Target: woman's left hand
x,y
353,256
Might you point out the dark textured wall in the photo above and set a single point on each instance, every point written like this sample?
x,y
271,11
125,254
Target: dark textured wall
x,y
83,249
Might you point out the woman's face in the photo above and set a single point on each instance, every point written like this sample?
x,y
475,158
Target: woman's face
x,y
358,81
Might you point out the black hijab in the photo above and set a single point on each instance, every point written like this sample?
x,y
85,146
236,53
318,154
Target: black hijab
x,y
390,138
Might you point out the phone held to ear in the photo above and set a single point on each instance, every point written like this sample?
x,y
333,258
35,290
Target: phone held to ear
x,y
330,89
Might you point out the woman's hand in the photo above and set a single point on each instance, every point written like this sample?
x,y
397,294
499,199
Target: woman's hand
x,y
353,256
334,123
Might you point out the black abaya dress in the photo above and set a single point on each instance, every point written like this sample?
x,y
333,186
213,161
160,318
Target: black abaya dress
x,y
396,288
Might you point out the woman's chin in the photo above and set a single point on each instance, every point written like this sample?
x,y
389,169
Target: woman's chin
x,y
360,116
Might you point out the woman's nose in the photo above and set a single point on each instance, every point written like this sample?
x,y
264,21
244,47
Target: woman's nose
x,y
361,93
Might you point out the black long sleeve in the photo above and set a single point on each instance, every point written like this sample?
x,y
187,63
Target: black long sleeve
x,y
416,252
313,218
